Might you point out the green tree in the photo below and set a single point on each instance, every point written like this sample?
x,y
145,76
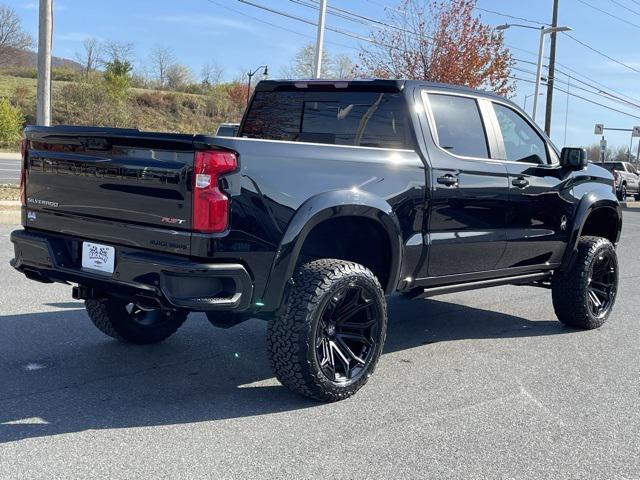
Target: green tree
x,y
11,122
117,79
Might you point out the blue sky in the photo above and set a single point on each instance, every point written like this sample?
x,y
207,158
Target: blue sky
x,y
238,37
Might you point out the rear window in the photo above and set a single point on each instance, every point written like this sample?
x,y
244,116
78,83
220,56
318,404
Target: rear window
x,y
366,119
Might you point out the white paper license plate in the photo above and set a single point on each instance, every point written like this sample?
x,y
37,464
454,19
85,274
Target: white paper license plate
x,y
98,257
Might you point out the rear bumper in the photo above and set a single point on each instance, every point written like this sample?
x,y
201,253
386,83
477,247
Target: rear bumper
x,y
169,281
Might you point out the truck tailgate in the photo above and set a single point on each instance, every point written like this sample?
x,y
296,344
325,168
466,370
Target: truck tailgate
x,y
119,186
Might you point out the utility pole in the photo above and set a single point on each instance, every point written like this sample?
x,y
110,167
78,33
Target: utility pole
x,y
317,65
552,69
45,38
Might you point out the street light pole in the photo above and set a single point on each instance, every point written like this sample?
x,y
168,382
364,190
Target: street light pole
x,y
45,37
538,73
543,31
317,64
250,74
526,97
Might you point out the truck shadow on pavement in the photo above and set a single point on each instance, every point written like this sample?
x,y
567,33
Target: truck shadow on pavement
x,y
58,374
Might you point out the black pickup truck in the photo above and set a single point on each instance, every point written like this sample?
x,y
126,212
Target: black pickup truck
x,y
333,195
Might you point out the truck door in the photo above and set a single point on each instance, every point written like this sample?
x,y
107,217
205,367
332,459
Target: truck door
x,y
538,215
465,232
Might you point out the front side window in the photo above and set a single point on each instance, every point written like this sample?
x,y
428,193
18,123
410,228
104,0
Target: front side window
x,y
521,142
459,125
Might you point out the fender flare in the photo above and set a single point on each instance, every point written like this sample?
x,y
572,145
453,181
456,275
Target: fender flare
x,y
587,205
325,206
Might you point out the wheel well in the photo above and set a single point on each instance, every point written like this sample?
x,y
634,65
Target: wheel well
x,y
357,239
602,222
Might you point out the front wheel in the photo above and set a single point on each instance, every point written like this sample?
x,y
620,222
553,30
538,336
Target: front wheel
x,y
584,296
130,323
328,341
622,194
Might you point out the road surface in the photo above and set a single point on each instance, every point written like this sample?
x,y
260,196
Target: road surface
x,y
482,384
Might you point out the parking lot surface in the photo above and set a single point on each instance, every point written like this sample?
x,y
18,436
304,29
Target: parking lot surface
x,y
476,384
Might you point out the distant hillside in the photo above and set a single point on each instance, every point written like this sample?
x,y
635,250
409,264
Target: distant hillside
x,y
28,59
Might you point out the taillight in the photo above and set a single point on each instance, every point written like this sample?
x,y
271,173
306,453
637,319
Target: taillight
x,y
23,173
210,204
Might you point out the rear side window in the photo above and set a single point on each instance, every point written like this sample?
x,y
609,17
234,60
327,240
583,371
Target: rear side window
x,y
367,119
459,125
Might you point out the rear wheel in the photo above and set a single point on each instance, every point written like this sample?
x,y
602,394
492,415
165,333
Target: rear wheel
x,y
132,324
328,341
584,296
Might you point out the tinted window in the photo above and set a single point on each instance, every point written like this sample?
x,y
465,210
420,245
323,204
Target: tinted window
x,y
612,166
343,118
459,125
227,131
521,142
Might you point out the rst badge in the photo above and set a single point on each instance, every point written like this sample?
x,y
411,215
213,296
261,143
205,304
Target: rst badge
x,y
173,221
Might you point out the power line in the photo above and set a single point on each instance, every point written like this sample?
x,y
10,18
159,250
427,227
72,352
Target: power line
x,y
513,77
625,7
586,45
239,12
311,22
513,17
609,14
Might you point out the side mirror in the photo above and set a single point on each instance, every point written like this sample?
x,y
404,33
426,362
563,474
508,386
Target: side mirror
x,y
573,158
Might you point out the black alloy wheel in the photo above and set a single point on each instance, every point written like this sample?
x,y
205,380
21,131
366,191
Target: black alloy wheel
x,y
346,333
603,280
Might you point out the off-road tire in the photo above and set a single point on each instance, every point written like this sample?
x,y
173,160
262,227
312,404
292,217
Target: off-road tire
x,y
291,336
112,318
570,289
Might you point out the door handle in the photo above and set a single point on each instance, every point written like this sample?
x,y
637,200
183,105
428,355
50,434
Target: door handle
x,y
520,182
448,180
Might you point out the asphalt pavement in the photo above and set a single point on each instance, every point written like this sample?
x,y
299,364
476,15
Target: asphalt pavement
x,y
483,384
10,165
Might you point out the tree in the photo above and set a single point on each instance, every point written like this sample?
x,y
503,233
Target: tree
x,y
440,41
162,58
121,52
303,63
343,67
211,74
117,77
13,39
178,77
11,122
90,56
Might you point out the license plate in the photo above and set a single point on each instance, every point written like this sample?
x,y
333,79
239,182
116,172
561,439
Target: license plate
x,y
99,258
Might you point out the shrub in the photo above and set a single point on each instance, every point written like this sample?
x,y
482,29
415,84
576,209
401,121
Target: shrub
x,y
11,122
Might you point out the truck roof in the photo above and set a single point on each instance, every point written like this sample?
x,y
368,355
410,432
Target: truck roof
x,y
366,85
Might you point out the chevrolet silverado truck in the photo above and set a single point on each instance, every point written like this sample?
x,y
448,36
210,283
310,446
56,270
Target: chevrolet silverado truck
x,y
626,178
333,195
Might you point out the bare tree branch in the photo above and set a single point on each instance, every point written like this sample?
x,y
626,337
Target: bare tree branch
x,y
13,39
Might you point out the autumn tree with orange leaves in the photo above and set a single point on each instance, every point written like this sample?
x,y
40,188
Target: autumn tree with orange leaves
x,y
439,41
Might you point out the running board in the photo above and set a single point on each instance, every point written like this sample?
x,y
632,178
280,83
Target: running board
x,y
494,282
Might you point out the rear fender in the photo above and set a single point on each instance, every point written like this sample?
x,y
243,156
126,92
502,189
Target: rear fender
x,y
325,206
